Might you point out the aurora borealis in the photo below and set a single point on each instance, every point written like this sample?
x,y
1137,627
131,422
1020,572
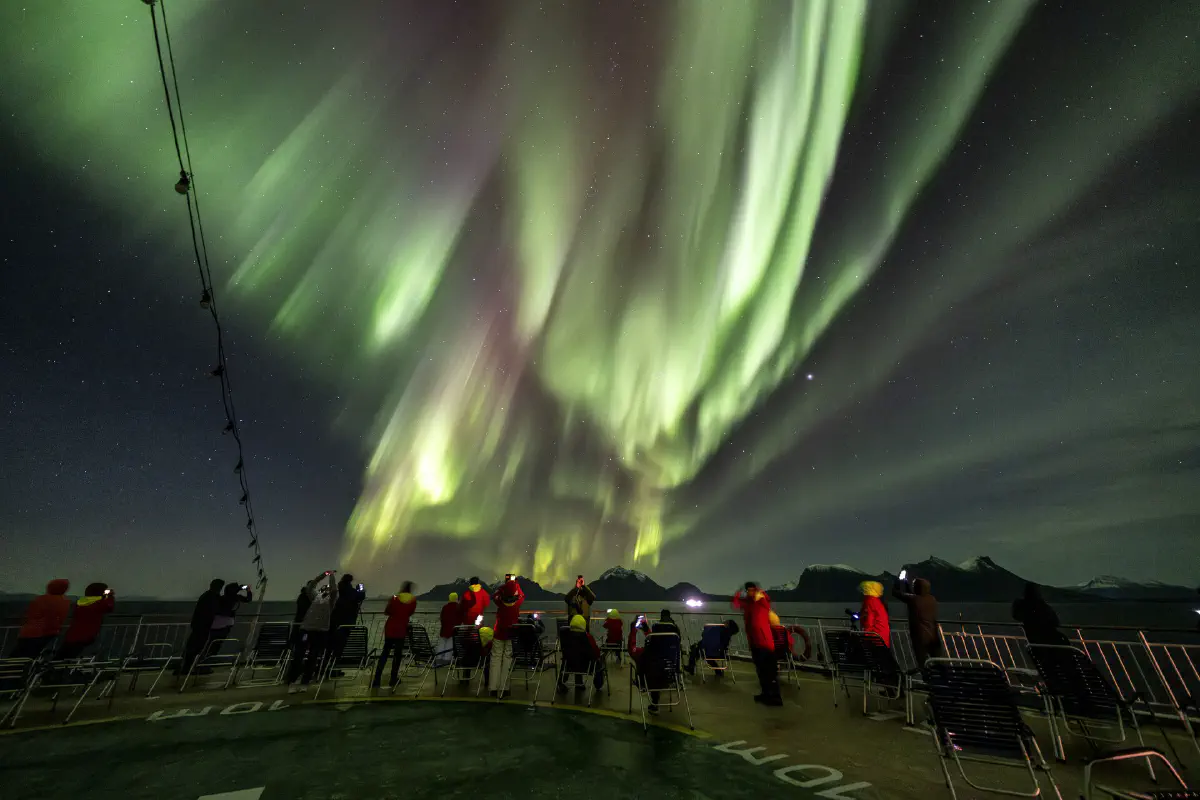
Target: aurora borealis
x,y
666,282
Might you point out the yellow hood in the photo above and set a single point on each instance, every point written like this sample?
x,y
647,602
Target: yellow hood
x,y
405,597
87,601
454,597
871,588
614,614
485,636
578,623
475,587
774,618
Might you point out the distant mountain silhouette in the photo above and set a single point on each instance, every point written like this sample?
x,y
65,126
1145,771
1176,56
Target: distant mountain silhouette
x,y
1113,588
620,584
532,589
977,580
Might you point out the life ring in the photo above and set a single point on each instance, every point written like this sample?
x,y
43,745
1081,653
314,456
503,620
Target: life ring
x,y
803,634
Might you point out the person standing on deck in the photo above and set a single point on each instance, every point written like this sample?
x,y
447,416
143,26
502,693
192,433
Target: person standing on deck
x,y
44,618
227,606
508,610
345,614
448,620
580,600
755,605
873,615
314,632
201,626
303,601
474,600
1037,617
399,610
85,625
922,617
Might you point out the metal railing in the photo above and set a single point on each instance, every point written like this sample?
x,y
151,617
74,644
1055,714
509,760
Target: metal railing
x,y
1164,673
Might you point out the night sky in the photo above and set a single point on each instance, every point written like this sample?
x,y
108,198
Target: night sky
x,y
714,289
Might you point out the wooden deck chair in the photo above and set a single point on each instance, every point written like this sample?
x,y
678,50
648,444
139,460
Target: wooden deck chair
x,y
1080,701
1095,791
973,710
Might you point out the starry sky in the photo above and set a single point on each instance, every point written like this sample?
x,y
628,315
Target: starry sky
x,y
713,289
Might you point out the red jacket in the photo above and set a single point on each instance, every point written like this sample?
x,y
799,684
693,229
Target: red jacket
x,y
451,618
472,604
873,616
508,609
398,611
46,614
615,629
89,615
757,616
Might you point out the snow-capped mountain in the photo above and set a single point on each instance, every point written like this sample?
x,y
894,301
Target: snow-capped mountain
x,y
784,587
834,568
532,589
1115,588
621,572
619,583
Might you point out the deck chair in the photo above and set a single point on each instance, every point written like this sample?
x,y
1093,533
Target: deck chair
x,y
783,654
883,676
847,660
145,658
419,657
658,672
81,675
15,676
714,655
1076,692
973,710
530,658
355,655
467,662
268,661
1094,791
217,653
577,663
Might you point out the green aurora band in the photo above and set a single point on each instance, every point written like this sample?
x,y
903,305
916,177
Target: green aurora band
x,y
547,284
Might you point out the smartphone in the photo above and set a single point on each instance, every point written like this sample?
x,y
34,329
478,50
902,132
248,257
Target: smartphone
x,y
245,586
361,587
903,572
536,615
108,591
508,577
479,620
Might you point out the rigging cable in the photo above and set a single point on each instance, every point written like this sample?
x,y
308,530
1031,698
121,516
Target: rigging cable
x,y
186,186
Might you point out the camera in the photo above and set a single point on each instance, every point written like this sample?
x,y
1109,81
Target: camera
x,y
903,573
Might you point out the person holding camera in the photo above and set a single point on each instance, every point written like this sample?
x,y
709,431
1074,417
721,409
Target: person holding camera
x,y
508,611
227,606
580,600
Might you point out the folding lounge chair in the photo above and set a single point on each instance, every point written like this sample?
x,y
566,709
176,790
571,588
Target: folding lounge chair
x,y
713,657
783,654
419,658
1076,692
847,660
16,674
467,662
1095,791
216,654
268,661
80,675
148,657
883,676
658,671
355,655
973,710
530,657
577,664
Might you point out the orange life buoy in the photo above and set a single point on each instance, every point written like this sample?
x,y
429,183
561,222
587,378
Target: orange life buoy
x,y
803,634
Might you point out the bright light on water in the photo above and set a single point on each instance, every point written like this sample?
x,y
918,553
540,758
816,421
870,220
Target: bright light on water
x,y
693,603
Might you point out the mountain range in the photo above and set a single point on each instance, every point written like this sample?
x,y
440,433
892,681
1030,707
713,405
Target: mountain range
x,y
977,580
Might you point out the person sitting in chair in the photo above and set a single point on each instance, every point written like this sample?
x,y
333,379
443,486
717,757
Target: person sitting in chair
x,y
718,649
580,652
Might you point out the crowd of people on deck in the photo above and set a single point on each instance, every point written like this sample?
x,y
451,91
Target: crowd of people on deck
x,y
326,609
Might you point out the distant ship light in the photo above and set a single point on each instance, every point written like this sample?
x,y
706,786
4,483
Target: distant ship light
x,y
693,603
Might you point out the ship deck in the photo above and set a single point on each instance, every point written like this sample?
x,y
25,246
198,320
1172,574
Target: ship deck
x,y
261,742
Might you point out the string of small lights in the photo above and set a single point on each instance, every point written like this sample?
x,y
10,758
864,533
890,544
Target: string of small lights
x,y
186,186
